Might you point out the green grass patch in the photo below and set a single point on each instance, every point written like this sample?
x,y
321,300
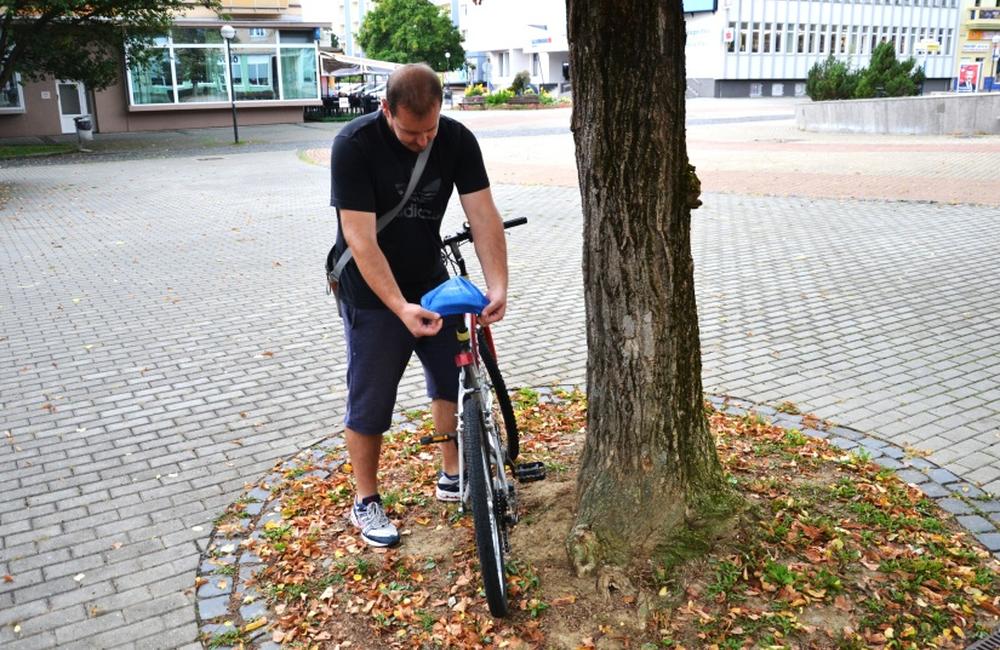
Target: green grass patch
x,y
24,150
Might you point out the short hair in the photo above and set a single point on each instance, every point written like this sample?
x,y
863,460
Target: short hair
x,y
415,86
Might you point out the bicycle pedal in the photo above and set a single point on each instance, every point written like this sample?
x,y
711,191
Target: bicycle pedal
x,y
435,439
528,472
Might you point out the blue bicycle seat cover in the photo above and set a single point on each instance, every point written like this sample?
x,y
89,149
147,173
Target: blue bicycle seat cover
x,y
454,296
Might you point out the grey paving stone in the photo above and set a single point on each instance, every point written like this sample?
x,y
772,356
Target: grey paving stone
x,y
912,476
934,490
976,524
843,443
954,506
888,463
967,490
943,476
990,540
209,608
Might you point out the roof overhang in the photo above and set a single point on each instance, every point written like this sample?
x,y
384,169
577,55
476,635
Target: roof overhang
x,y
337,64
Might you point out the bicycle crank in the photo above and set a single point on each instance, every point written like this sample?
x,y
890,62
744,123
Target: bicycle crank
x,y
529,472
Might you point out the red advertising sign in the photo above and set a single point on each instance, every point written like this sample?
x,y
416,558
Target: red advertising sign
x,y
968,77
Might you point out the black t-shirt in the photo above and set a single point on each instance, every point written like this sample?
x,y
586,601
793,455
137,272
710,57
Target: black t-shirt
x,y
369,172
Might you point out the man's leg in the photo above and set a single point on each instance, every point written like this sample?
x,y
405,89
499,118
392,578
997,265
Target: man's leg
x,y
364,454
378,347
446,421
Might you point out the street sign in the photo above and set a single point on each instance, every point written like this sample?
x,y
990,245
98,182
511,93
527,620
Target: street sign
x,y
928,45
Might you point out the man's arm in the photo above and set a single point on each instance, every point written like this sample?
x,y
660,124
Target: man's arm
x,y
361,236
491,249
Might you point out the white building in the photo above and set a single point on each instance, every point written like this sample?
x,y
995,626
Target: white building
x,y
500,38
766,47
504,38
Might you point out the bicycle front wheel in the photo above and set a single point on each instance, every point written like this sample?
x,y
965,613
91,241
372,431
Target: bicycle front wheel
x,y
502,398
487,514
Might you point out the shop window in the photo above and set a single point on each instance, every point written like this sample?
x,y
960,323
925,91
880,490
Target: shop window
x,y
153,80
756,90
298,73
12,97
201,74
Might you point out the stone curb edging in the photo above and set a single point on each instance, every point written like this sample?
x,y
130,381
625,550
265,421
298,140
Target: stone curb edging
x,y
226,569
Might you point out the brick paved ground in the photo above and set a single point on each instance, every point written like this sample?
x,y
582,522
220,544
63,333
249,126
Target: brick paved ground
x,y
164,337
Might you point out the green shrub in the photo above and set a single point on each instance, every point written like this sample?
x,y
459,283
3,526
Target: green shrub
x,y
887,77
521,81
499,97
831,79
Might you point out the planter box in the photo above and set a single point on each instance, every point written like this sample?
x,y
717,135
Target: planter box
x,y
524,100
473,101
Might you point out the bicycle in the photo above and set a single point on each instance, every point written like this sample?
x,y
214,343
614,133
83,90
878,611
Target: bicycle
x,y
483,455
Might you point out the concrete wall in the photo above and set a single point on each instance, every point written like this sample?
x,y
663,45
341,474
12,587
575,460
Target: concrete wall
x,y
41,115
965,114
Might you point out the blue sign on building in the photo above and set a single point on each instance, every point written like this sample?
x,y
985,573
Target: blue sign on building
x,y
697,6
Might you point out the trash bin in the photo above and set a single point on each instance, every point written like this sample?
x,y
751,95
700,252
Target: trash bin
x,y
84,127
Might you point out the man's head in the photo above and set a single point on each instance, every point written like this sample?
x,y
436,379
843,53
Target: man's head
x,y
412,105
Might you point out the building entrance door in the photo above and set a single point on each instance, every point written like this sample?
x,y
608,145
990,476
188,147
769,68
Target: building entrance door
x,y
72,103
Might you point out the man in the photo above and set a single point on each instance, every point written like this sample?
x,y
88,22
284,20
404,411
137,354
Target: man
x,y
379,291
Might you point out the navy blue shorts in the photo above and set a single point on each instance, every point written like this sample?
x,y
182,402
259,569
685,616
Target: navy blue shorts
x,y
378,348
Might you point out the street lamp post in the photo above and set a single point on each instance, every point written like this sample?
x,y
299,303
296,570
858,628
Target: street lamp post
x,y
227,34
996,55
447,69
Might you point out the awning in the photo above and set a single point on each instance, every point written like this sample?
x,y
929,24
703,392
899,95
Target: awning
x,y
336,64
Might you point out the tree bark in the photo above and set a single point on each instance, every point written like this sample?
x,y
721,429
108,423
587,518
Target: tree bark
x,y
649,472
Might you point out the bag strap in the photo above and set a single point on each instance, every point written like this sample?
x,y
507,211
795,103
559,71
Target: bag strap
x,y
383,221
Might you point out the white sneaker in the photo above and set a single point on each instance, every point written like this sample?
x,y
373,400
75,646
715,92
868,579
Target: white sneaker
x,y
376,529
447,488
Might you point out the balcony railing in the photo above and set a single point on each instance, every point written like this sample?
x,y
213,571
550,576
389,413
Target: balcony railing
x,y
254,6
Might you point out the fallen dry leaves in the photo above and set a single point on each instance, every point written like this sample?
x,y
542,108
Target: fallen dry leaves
x,y
832,552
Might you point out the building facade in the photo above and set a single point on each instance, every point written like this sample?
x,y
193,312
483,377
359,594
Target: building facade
x,y
760,48
186,83
505,38
978,47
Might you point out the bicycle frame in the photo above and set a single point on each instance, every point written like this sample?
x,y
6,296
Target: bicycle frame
x,y
473,384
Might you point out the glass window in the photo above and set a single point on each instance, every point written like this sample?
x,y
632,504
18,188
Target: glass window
x,y
298,73
10,95
201,74
153,82
254,74
196,35
255,36
296,36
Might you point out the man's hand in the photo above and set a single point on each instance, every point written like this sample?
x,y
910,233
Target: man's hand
x,y
420,321
495,310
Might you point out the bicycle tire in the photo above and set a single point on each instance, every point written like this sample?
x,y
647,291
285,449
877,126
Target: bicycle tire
x,y
486,520
502,398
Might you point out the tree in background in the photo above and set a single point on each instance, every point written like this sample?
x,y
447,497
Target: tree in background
x,y
886,76
83,40
831,79
650,486
411,31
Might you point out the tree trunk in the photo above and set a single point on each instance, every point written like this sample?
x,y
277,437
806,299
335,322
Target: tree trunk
x,y
649,473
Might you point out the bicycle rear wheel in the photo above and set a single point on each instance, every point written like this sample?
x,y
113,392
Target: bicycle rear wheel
x,y
502,398
487,509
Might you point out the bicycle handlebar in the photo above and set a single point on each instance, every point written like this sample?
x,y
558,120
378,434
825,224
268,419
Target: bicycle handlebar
x,y
466,234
